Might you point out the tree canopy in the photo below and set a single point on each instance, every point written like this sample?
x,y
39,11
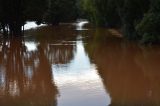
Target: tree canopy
x,y
14,13
138,19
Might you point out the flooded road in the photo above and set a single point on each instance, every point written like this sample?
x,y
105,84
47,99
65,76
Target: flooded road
x,y
71,66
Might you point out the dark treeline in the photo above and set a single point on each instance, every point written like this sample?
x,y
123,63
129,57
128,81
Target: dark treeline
x,y
137,19
14,13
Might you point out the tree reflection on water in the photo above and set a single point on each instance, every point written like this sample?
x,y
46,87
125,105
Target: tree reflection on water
x,y
25,76
26,66
130,72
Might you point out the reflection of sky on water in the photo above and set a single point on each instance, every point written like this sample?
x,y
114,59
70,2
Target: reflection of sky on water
x,y
77,79
2,76
31,46
29,72
79,25
31,25
13,89
78,82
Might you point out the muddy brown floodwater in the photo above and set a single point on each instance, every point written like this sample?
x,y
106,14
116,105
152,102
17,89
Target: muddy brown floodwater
x,y
63,66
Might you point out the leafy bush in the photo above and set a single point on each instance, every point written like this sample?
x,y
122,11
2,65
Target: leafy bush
x,y
148,28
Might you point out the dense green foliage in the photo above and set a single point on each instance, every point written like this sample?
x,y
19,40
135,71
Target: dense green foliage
x,y
61,11
35,10
14,13
101,12
11,15
148,28
137,19
132,13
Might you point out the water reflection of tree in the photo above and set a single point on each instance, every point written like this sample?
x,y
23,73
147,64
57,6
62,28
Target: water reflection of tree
x,y
130,74
60,54
58,45
25,77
